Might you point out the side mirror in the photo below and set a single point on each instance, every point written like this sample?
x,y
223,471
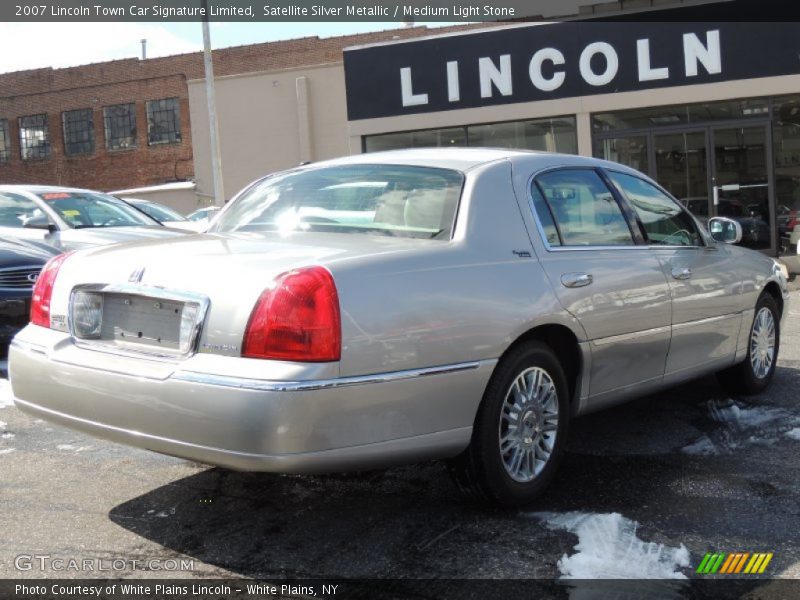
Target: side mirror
x,y
40,222
725,230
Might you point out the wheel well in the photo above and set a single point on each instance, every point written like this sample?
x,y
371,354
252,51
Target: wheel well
x,y
565,345
773,290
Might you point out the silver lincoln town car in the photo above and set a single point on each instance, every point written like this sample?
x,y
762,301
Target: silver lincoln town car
x,y
458,304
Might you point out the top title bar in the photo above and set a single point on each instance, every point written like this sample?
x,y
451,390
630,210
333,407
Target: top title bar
x,y
269,10
316,10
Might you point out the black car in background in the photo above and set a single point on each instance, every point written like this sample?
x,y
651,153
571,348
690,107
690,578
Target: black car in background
x,y
20,264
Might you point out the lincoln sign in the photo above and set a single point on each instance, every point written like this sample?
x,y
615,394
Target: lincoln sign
x,y
541,62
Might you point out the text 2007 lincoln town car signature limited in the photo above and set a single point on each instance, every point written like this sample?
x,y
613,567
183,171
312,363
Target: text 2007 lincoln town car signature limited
x,y
400,306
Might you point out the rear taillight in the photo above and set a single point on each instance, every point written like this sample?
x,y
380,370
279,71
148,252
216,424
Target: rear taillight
x,y
43,291
297,319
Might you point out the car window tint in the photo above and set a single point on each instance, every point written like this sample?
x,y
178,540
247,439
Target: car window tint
x,y
545,216
15,210
584,209
664,221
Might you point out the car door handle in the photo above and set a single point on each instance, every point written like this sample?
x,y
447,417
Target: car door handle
x,y
681,273
576,280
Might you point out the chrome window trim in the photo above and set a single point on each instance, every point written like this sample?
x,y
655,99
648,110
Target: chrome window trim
x,y
322,384
145,291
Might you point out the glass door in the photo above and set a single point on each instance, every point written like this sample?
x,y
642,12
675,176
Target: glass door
x,y
741,182
681,161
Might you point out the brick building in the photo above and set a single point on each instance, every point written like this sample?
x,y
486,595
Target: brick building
x,y
126,123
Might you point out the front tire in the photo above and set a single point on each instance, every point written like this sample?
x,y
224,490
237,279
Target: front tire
x,y
754,374
520,430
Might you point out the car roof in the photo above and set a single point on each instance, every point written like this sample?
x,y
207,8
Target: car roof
x,y
461,159
42,189
465,159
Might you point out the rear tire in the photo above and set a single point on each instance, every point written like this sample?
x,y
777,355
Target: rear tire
x,y
754,374
520,429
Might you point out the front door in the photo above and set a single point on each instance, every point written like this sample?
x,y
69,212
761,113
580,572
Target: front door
x,y
703,279
605,277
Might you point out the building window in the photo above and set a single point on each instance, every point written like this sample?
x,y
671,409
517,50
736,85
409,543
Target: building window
x,y
428,138
549,135
34,139
553,135
681,114
163,121
120,126
5,142
78,131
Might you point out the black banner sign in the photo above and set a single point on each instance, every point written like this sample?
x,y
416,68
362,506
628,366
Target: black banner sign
x,y
561,60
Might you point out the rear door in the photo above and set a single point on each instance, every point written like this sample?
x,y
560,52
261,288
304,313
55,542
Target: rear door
x,y
702,277
604,275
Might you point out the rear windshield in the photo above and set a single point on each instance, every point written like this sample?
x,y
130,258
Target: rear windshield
x,y
86,209
406,201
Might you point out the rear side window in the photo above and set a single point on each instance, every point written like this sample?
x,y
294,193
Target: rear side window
x,y
576,205
664,222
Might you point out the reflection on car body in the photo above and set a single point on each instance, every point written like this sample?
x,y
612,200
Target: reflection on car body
x,y
392,307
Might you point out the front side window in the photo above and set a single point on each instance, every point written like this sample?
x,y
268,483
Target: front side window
x,y
5,142
84,209
16,210
163,121
395,200
582,210
663,220
34,139
78,131
120,125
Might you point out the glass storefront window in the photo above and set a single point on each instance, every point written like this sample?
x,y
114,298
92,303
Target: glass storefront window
x,y
661,116
631,151
427,138
786,149
551,135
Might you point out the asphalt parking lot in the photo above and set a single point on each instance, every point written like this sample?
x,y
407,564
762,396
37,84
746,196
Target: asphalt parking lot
x,y
646,489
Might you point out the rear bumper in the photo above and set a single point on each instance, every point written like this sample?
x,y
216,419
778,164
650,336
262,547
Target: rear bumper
x,y
245,423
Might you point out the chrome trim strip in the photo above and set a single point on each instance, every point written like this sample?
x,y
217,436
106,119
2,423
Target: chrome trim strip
x,y
322,384
624,337
689,324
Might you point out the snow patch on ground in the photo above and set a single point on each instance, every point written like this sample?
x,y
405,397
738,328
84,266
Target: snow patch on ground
x,y
7,450
71,448
5,393
794,434
741,426
7,435
608,548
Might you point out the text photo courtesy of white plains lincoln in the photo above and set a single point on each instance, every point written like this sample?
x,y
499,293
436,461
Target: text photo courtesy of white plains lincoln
x,y
557,61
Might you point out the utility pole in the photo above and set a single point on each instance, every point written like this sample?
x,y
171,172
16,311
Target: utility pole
x,y
216,155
